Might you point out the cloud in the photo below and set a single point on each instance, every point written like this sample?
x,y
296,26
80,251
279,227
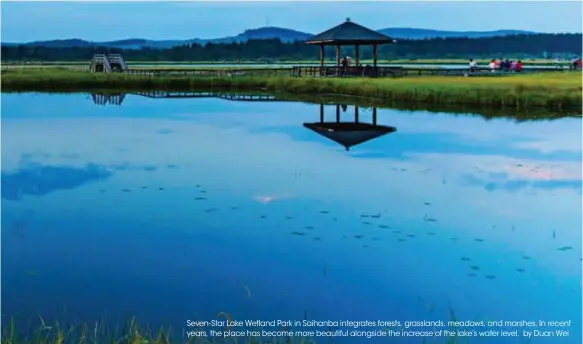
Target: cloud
x,y
268,198
512,185
38,180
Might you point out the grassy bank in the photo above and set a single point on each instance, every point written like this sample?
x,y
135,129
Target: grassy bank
x,y
550,91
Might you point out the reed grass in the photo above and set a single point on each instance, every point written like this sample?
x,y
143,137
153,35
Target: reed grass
x,y
128,332
131,332
550,91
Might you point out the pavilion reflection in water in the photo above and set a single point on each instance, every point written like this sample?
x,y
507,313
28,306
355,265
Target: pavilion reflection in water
x,y
349,134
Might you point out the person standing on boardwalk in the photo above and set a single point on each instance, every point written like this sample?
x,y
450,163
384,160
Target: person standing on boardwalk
x,y
492,66
473,65
344,63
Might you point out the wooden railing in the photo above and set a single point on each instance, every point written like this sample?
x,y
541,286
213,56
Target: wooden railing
x,y
100,59
351,71
364,71
117,59
216,72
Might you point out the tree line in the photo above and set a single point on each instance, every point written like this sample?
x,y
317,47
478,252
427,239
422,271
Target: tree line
x,y
516,46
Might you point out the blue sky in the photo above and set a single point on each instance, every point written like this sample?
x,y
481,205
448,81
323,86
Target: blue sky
x,y
30,21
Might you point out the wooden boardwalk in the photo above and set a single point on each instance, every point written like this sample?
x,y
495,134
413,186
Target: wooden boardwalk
x,y
312,71
210,72
332,71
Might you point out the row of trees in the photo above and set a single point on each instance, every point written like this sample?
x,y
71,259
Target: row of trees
x,y
519,46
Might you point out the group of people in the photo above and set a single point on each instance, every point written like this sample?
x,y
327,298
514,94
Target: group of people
x,y
576,63
505,65
501,64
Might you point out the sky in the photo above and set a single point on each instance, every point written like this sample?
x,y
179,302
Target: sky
x,y
101,21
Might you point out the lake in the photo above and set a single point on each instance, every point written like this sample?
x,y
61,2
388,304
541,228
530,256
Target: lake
x,y
178,209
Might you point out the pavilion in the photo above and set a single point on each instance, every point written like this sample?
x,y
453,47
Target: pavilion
x,y
349,33
349,134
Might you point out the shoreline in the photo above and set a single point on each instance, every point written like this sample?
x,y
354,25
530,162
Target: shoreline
x,y
558,92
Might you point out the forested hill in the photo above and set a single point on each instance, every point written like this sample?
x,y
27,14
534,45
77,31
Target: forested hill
x,y
524,46
268,32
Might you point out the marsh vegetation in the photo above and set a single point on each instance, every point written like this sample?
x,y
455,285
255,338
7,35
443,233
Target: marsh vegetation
x,y
549,91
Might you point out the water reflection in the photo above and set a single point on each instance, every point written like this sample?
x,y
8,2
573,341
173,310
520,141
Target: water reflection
x,y
346,133
349,134
213,205
38,180
104,99
118,98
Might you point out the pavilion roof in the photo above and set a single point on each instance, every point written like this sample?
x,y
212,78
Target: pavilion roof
x,y
349,33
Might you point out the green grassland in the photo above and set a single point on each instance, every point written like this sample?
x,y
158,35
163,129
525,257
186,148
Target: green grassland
x,y
550,91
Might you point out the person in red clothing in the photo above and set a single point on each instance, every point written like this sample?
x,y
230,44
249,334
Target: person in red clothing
x,y
579,63
519,65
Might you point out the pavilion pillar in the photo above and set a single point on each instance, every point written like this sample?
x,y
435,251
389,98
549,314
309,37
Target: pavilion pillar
x,y
356,53
355,113
321,113
321,59
337,60
374,116
374,55
337,113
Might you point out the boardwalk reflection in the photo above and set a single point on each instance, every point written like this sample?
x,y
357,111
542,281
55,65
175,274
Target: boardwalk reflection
x,y
117,99
207,94
346,133
349,134
104,99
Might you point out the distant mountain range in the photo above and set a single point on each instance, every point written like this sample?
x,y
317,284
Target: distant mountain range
x,y
286,35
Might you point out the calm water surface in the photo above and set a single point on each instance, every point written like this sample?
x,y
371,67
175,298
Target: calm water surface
x,y
176,209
